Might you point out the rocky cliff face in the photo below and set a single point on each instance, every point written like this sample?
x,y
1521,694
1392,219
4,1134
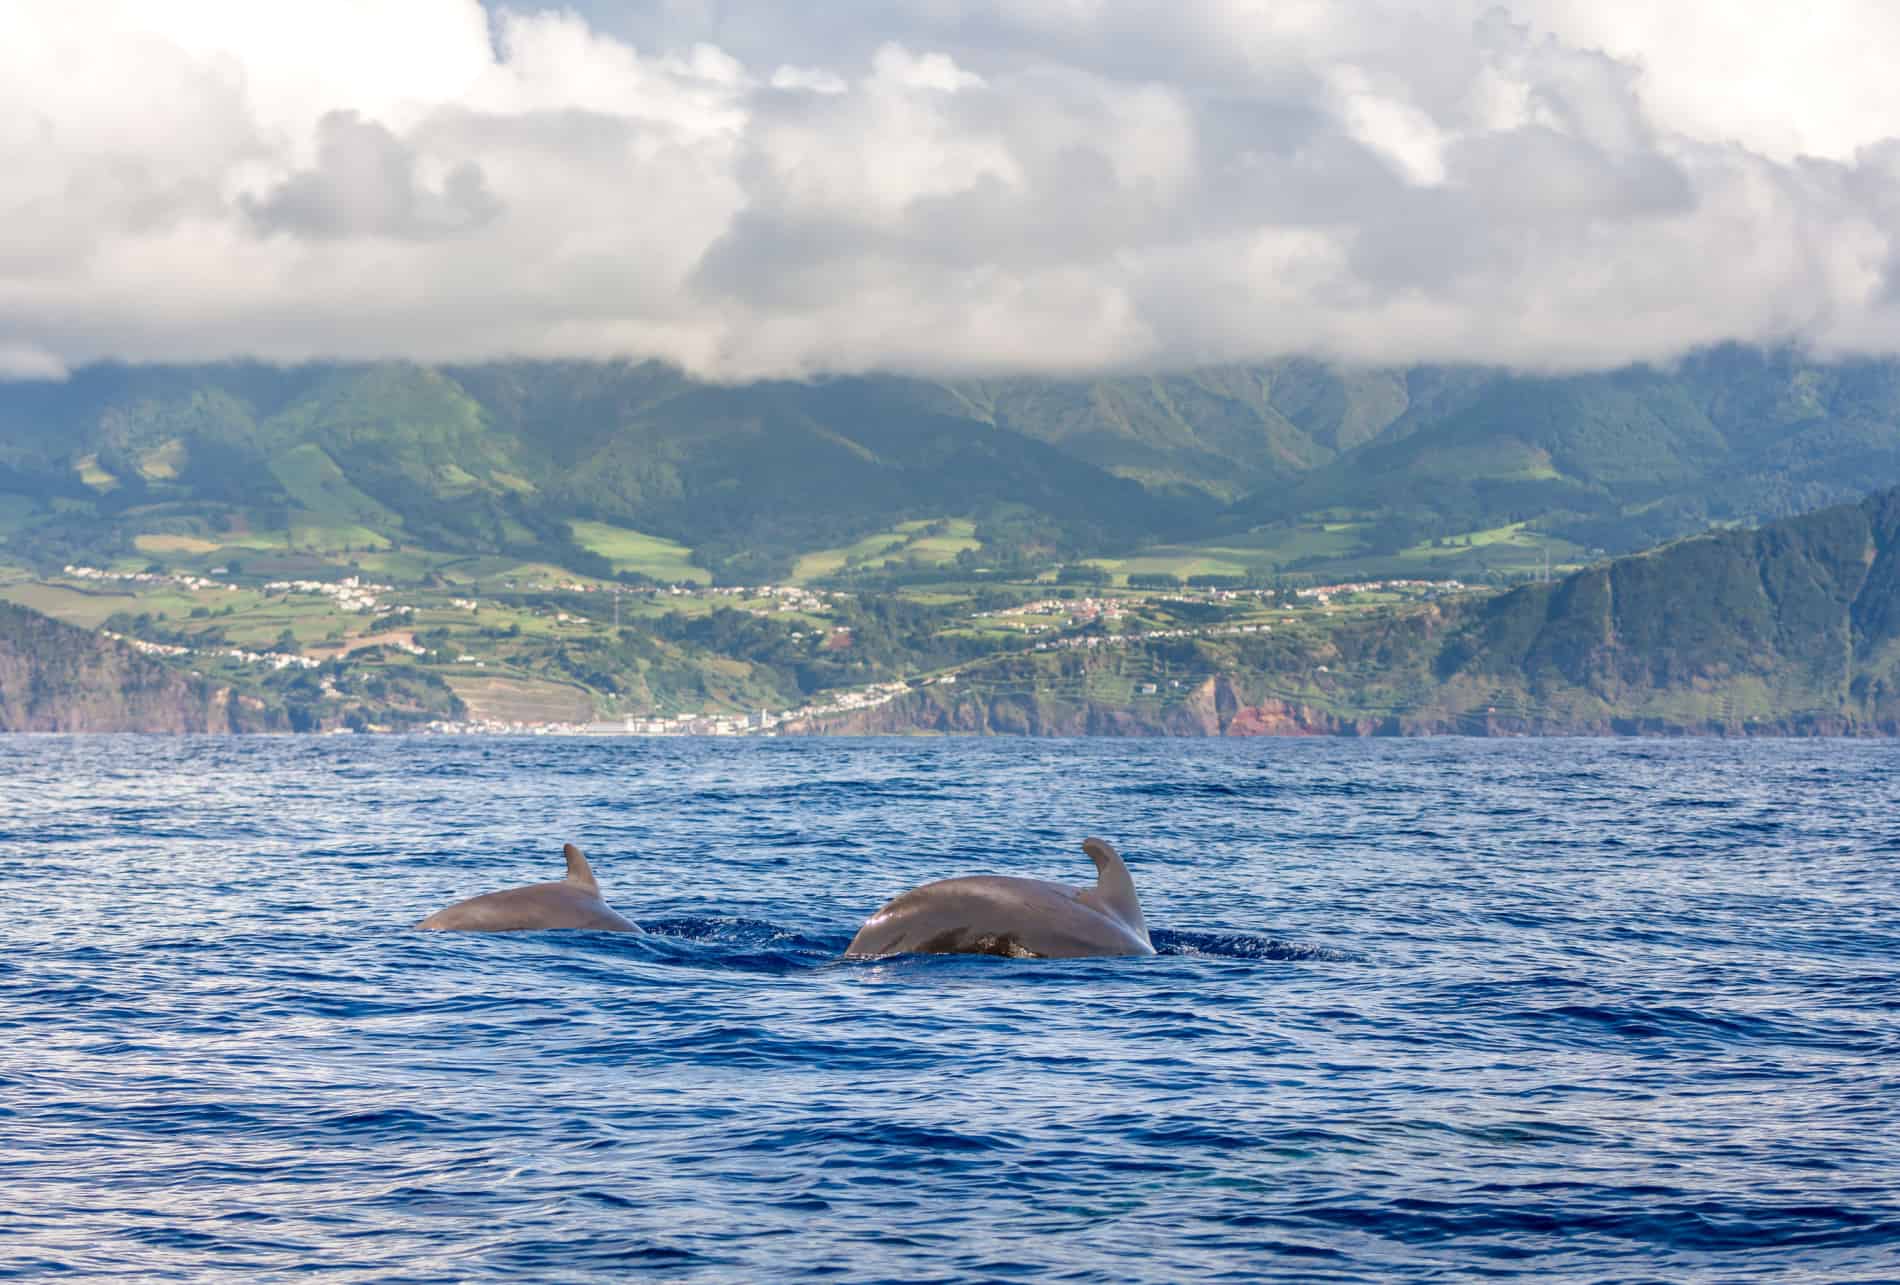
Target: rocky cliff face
x,y
1220,707
57,678
1216,707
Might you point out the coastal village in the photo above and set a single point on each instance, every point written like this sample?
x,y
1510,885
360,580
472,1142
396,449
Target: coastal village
x,y
758,723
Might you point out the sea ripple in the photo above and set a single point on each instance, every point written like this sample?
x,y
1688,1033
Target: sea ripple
x,y
1585,1010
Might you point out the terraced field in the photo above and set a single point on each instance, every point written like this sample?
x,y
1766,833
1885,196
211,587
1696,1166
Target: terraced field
x,y
520,700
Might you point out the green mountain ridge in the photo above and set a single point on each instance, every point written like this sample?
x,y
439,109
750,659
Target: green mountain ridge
x,y
504,457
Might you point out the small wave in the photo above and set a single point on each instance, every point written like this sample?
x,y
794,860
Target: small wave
x,y
1200,789
1658,1218
563,1255
1675,1026
1240,946
736,942
741,941
807,795
1260,789
736,930
1511,1032
715,944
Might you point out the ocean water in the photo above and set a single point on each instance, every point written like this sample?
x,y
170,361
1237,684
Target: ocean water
x,y
1424,1010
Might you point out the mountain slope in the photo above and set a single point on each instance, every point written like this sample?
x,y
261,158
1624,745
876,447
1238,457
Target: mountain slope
x,y
1795,626
502,458
1223,431
1619,460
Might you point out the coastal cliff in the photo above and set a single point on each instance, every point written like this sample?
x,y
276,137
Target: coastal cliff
x,y
1789,630
58,678
1215,707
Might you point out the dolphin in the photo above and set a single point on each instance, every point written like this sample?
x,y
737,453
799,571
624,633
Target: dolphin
x,y
1026,918
573,902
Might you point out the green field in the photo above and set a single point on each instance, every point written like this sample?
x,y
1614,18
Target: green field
x,y
1336,549
1297,543
162,463
403,565
828,562
1514,547
498,571
945,547
187,544
309,534
253,541
1274,547
648,555
1171,561
313,533
1512,534
87,466
900,543
312,479
88,610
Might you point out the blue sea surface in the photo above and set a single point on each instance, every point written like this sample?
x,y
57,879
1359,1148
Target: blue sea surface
x,y
1423,1010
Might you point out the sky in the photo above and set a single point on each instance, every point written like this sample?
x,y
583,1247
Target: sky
x,y
755,188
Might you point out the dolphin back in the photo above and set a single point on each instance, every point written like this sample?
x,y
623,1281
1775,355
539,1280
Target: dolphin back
x,y
573,902
1005,915
579,873
1114,890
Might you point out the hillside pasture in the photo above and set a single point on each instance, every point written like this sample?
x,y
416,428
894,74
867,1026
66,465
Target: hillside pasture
x,y
1167,562
74,606
314,533
400,565
159,543
1512,548
1277,547
164,462
900,543
959,535
649,555
319,487
92,475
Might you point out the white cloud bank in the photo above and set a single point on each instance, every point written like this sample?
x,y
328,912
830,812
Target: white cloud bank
x,y
759,188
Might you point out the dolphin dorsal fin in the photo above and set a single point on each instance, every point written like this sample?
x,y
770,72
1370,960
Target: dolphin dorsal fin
x,y
579,873
1114,889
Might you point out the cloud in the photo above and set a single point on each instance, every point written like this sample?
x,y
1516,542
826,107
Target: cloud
x,y
365,183
752,189
25,362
